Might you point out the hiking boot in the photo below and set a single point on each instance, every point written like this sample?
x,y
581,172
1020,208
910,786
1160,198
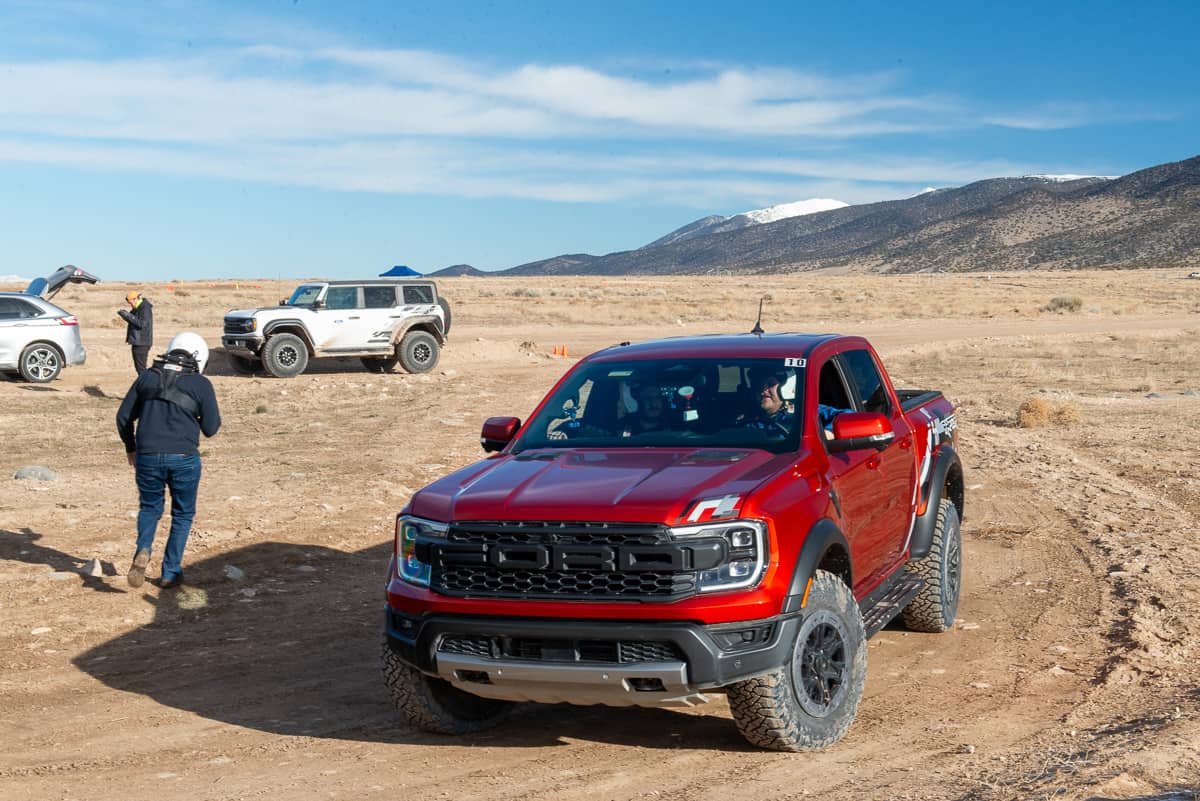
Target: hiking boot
x,y
137,571
168,584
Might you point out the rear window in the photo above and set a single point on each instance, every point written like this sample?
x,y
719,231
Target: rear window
x,y
419,293
16,309
379,297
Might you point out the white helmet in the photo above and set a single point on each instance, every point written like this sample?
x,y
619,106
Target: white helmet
x,y
193,344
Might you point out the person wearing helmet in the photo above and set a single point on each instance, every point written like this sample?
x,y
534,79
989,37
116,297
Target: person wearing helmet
x,y
160,422
771,394
139,328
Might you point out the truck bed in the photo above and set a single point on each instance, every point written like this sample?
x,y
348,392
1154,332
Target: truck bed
x,y
913,398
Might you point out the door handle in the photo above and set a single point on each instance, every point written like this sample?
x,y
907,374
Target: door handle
x,y
873,463
353,318
906,442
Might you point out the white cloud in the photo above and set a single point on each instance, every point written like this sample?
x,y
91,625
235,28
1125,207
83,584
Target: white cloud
x,y
411,121
1060,115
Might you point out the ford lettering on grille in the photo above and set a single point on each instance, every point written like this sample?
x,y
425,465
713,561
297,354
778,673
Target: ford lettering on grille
x,y
604,558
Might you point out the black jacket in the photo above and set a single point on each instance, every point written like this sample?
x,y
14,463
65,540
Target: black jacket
x,y
140,331
163,426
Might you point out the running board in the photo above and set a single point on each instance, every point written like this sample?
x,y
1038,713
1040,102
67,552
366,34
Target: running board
x,y
902,589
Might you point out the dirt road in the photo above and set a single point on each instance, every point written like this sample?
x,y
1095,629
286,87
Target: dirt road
x,y
1072,672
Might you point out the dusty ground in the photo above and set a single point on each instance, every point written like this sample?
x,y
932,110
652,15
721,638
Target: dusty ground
x,y
1073,672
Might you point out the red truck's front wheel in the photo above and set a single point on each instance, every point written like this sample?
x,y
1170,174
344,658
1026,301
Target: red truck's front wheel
x,y
810,702
433,705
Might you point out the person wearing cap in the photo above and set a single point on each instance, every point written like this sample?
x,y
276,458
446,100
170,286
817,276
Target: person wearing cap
x,y
139,332
160,422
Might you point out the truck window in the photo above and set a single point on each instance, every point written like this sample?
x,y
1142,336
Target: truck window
x,y
868,384
831,389
692,403
379,297
305,294
341,297
418,293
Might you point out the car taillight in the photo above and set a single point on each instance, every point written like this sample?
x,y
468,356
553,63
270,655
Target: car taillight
x,y
70,319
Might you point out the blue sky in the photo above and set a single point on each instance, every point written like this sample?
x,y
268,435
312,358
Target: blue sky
x,y
169,140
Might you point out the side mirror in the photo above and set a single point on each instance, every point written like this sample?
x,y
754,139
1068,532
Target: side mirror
x,y
283,301
498,432
318,304
854,431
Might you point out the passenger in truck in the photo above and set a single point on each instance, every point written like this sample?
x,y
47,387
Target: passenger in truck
x,y
645,413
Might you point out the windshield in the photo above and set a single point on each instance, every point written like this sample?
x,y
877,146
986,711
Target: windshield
x,y
305,294
672,403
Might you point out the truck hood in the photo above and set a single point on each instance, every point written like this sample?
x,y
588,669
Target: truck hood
x,y
619,485
282,311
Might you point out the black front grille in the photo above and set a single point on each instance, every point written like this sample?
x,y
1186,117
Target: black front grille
x,y
572,583
652,566
238,325
541,649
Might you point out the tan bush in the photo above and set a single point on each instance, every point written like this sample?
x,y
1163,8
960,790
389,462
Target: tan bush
x,y
1036,411
1064,303
1064,413
1033,413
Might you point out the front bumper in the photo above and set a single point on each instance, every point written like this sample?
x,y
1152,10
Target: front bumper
x,y
242,344
618,663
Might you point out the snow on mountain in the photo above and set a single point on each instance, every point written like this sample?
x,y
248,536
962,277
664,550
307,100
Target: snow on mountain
x,y
795,209
1067,177
715,224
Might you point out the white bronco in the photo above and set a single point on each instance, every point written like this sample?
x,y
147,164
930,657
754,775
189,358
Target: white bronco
x,y
382,321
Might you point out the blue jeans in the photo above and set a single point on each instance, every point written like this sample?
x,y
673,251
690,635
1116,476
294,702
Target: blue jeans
x,y
156,472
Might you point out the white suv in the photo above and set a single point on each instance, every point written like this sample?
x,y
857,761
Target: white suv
x,y
37,338
380,320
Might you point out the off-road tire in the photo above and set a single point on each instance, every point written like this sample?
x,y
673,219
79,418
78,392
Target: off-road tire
x,y
418,352
379,364
285,355
244,366
934,607
810,702
434,705
445,316
40,363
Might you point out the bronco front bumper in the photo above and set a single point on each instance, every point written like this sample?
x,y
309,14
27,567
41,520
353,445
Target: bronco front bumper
x,y
618,663
241,344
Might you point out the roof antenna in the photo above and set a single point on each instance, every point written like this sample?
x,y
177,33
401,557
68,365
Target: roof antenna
x,y
758,329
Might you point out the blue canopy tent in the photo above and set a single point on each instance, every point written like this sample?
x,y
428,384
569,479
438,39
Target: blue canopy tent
x,y
398,271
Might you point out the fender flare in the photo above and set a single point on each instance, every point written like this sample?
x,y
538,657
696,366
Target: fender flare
x,y
946,476
823,536
272,326
434,327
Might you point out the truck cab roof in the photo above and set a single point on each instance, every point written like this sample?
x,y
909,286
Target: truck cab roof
x,y
765,346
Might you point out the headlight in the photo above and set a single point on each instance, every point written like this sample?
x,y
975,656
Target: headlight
x,y
408,531
746,553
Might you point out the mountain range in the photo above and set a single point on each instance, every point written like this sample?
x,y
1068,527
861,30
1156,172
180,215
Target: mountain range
x,y
1148,218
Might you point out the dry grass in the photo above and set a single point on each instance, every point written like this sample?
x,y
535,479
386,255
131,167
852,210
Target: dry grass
x,y
1036,412
1064,303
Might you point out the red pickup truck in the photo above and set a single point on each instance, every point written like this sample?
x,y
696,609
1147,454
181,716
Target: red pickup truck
x,y
680,518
